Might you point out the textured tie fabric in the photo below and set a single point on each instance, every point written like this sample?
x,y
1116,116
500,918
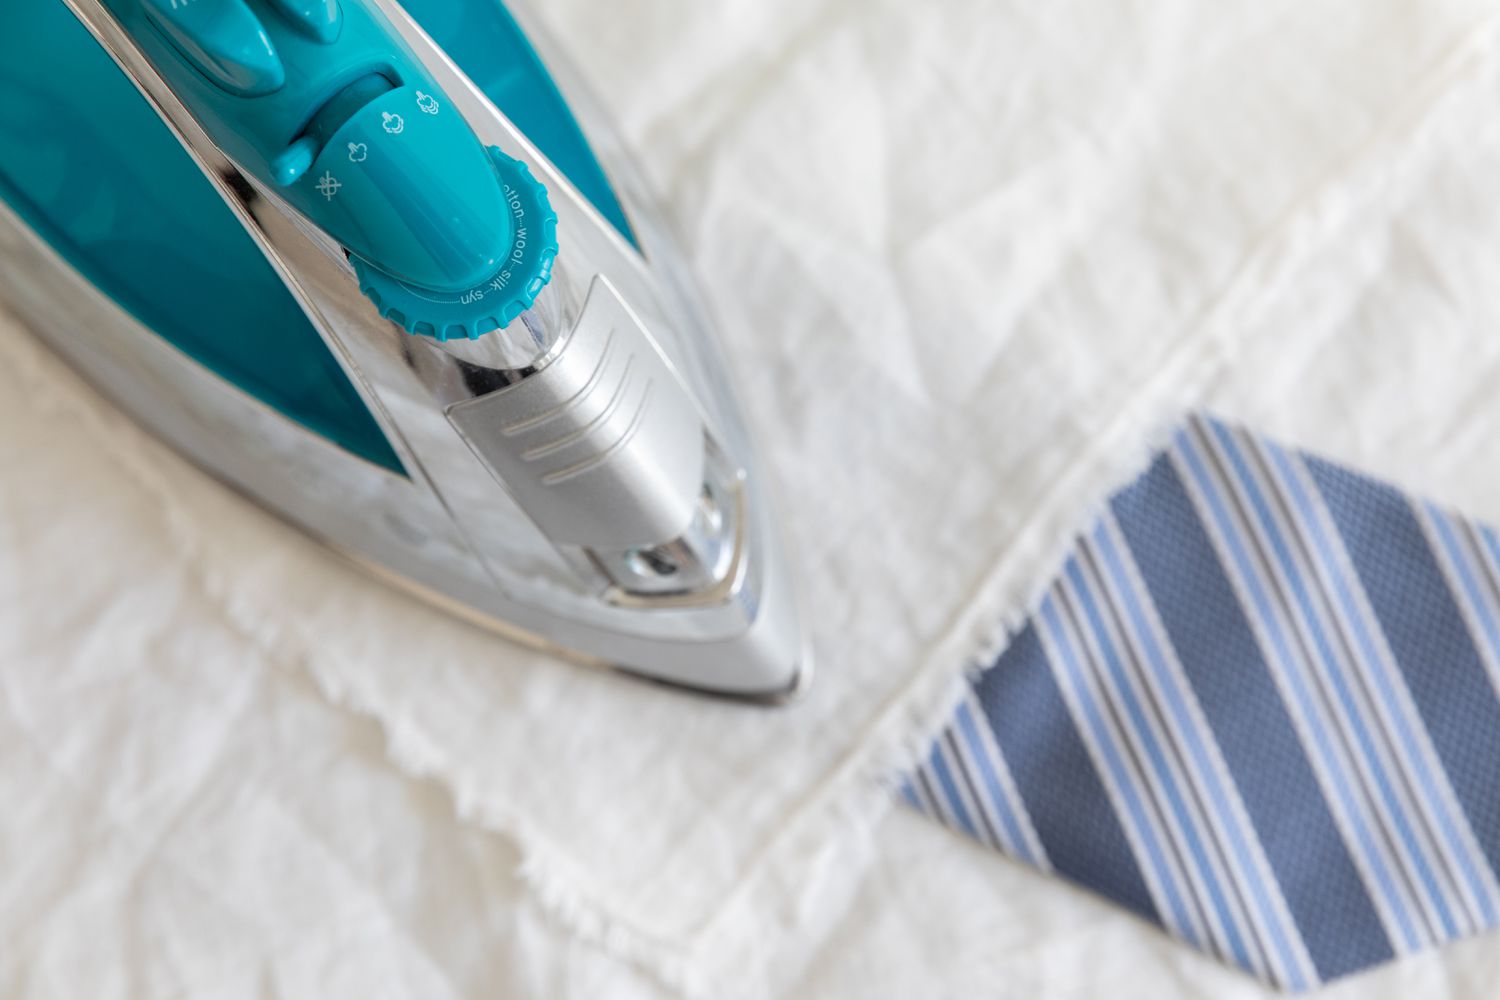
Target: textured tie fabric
x,y
1259,708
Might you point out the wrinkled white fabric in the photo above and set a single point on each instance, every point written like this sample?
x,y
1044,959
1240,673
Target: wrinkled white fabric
x,y
969,259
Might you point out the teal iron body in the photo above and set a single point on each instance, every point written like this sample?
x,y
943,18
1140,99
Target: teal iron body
x,y
366,263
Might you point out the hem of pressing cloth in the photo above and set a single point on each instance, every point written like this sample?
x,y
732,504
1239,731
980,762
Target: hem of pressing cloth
x,y
821,847
806,860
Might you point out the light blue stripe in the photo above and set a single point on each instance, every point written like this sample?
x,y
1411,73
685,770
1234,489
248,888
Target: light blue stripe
x,y
1019,843
1417,605
1159,764
939,770
1188,580
1079,828
1461,566
1297,682
1339,676
1119,773
1491,544
1377,665
1187,726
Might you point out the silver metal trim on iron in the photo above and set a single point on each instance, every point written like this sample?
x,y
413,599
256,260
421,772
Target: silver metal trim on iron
x,y
600,498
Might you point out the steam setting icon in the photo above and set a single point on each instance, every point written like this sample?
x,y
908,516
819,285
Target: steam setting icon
x,y
328,185
394,124
427,103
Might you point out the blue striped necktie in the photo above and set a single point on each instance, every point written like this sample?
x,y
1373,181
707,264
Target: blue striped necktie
x,y
1259,708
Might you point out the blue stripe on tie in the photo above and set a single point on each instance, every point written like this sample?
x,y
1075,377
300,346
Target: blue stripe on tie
x,y
1069,809
1448,539
1222,659
1429,782
1428,636
1487,556
1491,543
1187,726
1171,789
1261,706
1118,775
1369,745
951,794
1340,782
1015,834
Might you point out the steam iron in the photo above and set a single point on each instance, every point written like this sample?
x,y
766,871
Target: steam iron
x,y
363,262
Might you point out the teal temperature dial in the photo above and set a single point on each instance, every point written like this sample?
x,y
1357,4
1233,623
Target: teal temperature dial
x,y
408,188
322,101
497,298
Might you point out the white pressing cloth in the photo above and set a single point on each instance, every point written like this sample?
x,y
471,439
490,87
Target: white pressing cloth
x,y
970,258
